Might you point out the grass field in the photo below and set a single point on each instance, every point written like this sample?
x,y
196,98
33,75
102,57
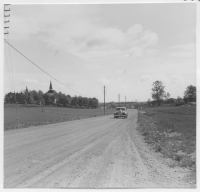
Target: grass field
x,y
171,131
33,116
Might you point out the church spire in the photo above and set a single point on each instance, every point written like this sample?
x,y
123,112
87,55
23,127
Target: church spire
x,y
50,87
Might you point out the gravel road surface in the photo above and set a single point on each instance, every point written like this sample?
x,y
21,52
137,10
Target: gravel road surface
x,y
100,152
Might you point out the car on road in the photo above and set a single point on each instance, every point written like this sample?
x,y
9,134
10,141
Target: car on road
x,y
121,112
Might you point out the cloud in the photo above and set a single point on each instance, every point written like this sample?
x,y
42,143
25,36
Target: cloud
x,y
153,78
78,30
183,51
148,39
106,36
135,52
131,43
145,79
68,84
151,52
33,81
119,72
134,31
184,54
177,79
160,77
106,81
47,21
189,47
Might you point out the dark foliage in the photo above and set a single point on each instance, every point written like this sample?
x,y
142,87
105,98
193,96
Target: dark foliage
x,y
55,99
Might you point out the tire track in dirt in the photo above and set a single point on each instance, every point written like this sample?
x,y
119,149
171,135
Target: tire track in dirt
x,y
43,168
100,153
74,171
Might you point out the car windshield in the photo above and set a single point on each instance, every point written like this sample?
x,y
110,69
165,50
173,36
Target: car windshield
x,y
122,109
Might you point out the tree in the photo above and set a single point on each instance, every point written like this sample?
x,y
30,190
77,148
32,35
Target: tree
x,y
93,102
85,102
171,101
9,98
190,94
40,96
74,101
149,103
59,99
31,97
25,92
80,101
49,99
158,91
35,96
112,105
20,98
69,98
167,96
179,101
65,100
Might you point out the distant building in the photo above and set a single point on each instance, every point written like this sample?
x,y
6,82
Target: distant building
x,y
52,92
26,96
26,89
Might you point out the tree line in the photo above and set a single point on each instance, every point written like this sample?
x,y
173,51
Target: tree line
x,y
160,96
56,99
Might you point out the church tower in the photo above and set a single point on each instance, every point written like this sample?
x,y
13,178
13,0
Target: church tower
x,y
51,91
50,87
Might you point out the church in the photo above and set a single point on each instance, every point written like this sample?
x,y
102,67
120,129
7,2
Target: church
x,y
52,92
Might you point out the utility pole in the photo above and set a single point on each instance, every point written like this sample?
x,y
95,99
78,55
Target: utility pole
x,y
6,27
42,104
16,110
104,101
119,99
125,100
5,16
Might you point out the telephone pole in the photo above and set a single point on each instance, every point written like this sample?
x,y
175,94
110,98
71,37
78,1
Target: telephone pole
x,y
7,27
104,100
5,16
125,100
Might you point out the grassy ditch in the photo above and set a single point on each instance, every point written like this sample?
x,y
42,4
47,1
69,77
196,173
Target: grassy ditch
x,y
33,116
171,131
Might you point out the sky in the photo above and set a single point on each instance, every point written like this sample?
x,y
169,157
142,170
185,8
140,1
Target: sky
x,y
125,47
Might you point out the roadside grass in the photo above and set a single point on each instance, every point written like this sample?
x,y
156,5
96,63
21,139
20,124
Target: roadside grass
x,y
171,131
33,116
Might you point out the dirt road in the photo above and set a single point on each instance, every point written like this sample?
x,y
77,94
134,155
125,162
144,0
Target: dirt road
x,y
100,152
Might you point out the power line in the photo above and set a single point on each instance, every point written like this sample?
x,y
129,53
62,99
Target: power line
x,y
11,65
12,80
104,100
59,61
109,98
41,68
39,51
9,72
